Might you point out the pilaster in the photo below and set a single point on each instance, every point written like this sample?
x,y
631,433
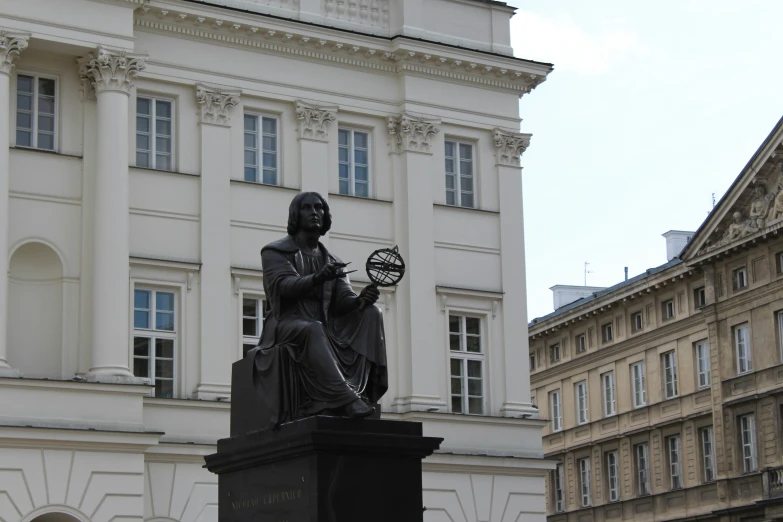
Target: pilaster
x,y
11,44
218,351
422,367
314,126
108,75
508,147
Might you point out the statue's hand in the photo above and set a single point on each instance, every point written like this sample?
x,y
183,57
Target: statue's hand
x,y
370,294
329,272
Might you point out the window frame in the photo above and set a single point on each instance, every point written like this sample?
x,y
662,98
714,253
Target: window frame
x,y
464,356
559,483
674,454
352,161
609,394
699,297
554,349
642,455
748,446
635,385
246,339
613,475
582,414
606,328
707,439
671,356
703,365
152,151
637,321
34,111
259,134
581,343
735,277
744,364
458,172
585,492
667,309
153,334
556,410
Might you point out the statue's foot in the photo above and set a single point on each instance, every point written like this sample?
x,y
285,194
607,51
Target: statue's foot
x,y
358,409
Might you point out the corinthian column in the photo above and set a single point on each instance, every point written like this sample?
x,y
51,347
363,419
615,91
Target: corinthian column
x,y
314,125
110,74
217,349
421,375
508,147
11,44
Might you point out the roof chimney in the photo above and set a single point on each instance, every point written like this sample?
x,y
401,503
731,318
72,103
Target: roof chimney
x,y
567,294
675,242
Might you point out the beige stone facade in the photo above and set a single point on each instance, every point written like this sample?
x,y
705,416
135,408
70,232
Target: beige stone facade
x,y
664,393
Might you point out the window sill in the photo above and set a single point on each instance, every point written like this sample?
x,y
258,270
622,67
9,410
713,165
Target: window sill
x,y
467,209
265,185
161,171
45,151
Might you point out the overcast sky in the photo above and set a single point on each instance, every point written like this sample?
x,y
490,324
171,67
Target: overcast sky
x,y
652,108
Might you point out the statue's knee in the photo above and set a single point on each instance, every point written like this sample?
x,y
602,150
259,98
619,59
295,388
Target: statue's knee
x,y
315,328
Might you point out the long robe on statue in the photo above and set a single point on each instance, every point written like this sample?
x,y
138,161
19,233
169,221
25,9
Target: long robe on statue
x,y
317,350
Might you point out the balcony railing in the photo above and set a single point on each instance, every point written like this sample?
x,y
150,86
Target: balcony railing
x,y
773,483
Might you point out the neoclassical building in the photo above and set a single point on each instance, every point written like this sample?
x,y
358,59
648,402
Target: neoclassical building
x,y
664,393
154,147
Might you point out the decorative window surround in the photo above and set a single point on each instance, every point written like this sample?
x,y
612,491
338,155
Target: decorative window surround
x,y
11,44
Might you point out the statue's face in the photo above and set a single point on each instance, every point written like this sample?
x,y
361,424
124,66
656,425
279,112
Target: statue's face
x,y
311,214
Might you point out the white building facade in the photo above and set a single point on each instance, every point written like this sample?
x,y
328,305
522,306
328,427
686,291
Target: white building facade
x,y
154,147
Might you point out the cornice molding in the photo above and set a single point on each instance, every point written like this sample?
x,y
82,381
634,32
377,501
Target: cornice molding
x,y
408,133
314,120
394,59
509,146
215,104
11,44
108,70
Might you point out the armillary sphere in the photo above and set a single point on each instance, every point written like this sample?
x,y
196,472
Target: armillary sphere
x,y
385,267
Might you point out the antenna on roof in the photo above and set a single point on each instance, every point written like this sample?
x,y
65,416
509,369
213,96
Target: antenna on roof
x,y
713,200
587,271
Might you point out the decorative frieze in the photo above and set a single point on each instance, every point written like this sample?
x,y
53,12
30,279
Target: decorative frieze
x,y
409,133
107,70
373,13
11,44
509,146
215,103
314,120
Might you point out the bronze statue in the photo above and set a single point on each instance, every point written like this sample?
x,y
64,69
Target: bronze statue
x,y
322,348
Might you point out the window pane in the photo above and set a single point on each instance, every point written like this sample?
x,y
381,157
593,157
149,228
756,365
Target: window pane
x,y
465,168
270,143
250,174
344,171
164,348
270,126
455,325
450,181
342,155
162,109
141,367
360,140
24,120
45,105
142,142
456,385
142,124
24,83
475,406
141,299
164,301
141,319
451,198
362,190
142,106
163,127
164,321
472,325
251,158
46,141
450,149
45,87
456,404
456,367
164,389
474,387
24,102
250,141
249,327
473,344
164,368
449,166
360,157
467,201
360,173
250,122
466,184
270,159
344,187
250,307
141,347
343,137
474,368
454,342
142,159
465,152
270,177
162,162
162,144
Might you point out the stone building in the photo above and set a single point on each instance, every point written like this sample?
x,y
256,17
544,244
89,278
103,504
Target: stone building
x,y
154,147
664,393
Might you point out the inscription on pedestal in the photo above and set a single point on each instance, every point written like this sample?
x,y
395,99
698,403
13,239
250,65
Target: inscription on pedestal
x,y
281,494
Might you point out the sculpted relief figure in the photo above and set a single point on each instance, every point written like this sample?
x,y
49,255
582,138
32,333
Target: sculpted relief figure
x,y
776,209
759,207
322,348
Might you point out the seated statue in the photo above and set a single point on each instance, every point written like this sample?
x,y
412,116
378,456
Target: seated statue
x,y
322,348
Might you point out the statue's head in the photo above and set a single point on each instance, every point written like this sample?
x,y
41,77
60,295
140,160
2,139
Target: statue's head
x,y
309,202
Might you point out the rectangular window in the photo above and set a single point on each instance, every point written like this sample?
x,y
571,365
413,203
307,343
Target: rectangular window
x,y
669,374
740,278
467,358
699,297
154,339
554,353
742,344
580,391
252,322
261,149
638,385
354,162
559,493
606,330
748,436
675,462
637,323
154,133
532,362
581,343
610,405
667,309
35,112
612,474
459,174
703,364
780,334
643,469
556,408
584,481
708,454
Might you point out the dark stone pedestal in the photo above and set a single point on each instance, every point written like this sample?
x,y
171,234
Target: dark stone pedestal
x,y
323,469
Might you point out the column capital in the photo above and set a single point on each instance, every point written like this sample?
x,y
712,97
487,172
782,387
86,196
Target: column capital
x,y
11,44
215,103
105,70
314,120
410,133
509,146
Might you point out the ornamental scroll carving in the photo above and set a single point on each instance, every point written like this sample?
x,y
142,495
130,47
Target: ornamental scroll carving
x,y
107,70
509,146
412,134
314,120
215,103
11,44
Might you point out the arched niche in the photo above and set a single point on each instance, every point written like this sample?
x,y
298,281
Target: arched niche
x,y
55,517
35,311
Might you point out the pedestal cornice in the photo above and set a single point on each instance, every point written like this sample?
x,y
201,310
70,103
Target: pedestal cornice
x,y
215,104
107,70
11,44
410,133
509,146
314,120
